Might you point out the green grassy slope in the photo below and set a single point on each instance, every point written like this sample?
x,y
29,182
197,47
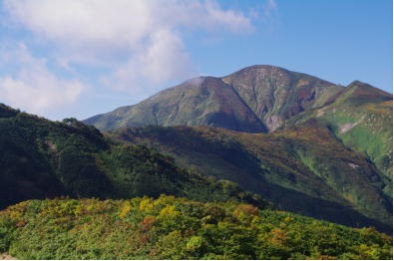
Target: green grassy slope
x,y
40,159
176,228
294,168
361,118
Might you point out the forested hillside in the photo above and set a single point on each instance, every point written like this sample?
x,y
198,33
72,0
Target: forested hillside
x,y
44,159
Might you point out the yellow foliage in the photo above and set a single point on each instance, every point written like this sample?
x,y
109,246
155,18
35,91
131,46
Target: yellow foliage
x,y
164,200
146,205
79,210
126,208
169,212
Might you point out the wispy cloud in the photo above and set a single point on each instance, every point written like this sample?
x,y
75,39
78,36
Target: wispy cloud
x,y
33,87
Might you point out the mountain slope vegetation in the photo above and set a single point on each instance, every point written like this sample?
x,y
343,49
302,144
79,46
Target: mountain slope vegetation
x,y
293,168
361,117
176,228
44,159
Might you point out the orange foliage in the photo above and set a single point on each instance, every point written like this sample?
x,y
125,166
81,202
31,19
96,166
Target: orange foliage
x,y
147,223
278,236
246,209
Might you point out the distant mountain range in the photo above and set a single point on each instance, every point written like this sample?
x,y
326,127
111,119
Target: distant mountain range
x,y
306,144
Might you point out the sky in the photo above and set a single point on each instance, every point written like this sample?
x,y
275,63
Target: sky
x,y
79,58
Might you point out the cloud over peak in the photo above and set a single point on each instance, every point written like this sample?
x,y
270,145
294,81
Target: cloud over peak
x,y
140,42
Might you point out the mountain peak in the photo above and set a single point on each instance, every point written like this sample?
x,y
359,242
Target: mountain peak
x,y
361,91
259,98
262,67
259,71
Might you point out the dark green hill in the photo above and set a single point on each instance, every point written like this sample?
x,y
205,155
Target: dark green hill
x,y
176,228
44,159
294,168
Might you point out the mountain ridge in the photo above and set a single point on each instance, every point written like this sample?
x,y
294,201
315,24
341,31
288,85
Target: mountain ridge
x,y
262,99
268,96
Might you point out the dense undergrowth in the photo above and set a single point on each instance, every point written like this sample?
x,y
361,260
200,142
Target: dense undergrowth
x,y
176,228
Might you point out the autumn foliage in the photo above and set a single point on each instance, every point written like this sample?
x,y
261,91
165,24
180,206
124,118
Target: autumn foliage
x,y
176,228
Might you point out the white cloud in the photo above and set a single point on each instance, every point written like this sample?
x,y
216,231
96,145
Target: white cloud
x,y
34,88
163,59
139,40
118,23
84,22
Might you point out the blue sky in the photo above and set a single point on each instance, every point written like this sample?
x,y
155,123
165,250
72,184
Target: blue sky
x,y
78,58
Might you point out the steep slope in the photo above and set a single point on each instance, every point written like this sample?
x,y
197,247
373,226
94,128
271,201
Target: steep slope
x,y
361,117
40,159
275,94
295,168
176,228
203,101
255,99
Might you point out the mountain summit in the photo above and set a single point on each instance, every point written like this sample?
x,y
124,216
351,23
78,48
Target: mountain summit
x,y
255,99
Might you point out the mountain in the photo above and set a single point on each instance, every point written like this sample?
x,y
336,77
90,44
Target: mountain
x,y
44,159
233,148
306,144
255,99
264,98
